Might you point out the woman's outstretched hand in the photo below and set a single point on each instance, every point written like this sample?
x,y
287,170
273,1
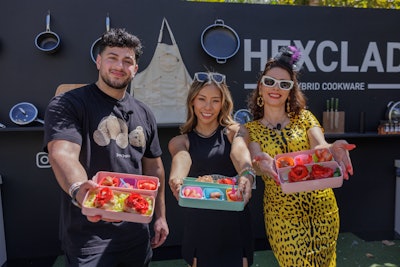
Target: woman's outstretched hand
x,y
175,185
264,165
340,151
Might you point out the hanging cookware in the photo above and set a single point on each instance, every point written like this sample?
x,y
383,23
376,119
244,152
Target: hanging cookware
x,y
220,41
24,113
94,50
393,111
47,41
242,116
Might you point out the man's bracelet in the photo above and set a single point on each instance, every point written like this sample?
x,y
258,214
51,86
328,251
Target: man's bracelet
x,y
73,190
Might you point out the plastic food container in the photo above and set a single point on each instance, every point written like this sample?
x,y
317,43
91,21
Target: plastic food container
x,y
115,209
147,185
203,195
319,157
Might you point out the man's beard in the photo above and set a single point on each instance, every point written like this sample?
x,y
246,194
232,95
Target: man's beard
x,y
116,85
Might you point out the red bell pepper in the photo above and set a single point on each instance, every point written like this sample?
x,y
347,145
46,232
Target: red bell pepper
x,y
226,181
137,202
319,171
298,173
103,196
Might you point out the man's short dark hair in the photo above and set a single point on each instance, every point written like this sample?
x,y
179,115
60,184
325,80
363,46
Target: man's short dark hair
x,y
117,37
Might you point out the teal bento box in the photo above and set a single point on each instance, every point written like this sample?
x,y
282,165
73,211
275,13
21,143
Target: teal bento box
x,y
210,195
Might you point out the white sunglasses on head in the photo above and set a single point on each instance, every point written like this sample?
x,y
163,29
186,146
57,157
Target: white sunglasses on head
x,y
271,82
209,76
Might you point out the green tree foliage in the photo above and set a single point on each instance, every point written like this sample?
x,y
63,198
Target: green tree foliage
x,y
388,4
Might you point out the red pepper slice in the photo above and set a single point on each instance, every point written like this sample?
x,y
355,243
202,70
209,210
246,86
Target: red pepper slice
x,y
110,181
103,196
298,173
137,202
319,171
147,185
226,181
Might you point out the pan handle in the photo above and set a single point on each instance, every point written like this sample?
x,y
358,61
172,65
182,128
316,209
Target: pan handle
x,y
219,21
221,60
48,21
39,120
108,23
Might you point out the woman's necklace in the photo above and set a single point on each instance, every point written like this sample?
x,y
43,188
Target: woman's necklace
x,y
205,135
278,126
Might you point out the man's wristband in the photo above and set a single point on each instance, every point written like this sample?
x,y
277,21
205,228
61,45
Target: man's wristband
x,y
73,191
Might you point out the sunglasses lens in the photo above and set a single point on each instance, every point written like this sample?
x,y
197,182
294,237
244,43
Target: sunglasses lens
x,y
285,85
201,76
218,78
269,82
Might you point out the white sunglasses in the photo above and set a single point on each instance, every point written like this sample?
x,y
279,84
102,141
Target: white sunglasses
x,y
209,76
271,82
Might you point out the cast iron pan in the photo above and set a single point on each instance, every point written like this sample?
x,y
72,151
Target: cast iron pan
x,y
47,41
94,50
220,41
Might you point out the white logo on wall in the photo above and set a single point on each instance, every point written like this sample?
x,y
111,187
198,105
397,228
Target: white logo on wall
x,y
42,160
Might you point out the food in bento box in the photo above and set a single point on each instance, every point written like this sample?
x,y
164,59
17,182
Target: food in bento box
x,y
213,193
107,199
110,181
319,171
205,178
136,203
303,159
323,155
298,173
283,162
227,180
192,192
234,194
103,198
146,184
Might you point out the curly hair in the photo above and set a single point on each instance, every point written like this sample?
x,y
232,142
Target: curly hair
x,y
224,117
297,100
117,37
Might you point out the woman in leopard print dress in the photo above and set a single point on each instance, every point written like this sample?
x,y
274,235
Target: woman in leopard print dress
x,y
302,228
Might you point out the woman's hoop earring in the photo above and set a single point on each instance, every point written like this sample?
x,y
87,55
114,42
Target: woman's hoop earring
x,y
260,101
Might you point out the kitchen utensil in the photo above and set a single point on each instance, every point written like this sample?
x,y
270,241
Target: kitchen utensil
x,y
24,113
47,41
331,118
220,41
242,116
336,113
393,111
94,49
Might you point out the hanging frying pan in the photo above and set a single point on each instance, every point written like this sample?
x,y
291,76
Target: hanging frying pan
x,y
220,41
94,50
47,41
24,113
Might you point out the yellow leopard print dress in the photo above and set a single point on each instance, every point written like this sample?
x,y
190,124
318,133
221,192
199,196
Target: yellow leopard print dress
x,y
302,228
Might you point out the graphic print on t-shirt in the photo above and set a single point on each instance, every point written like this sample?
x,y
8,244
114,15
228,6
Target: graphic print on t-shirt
x,y
113,128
